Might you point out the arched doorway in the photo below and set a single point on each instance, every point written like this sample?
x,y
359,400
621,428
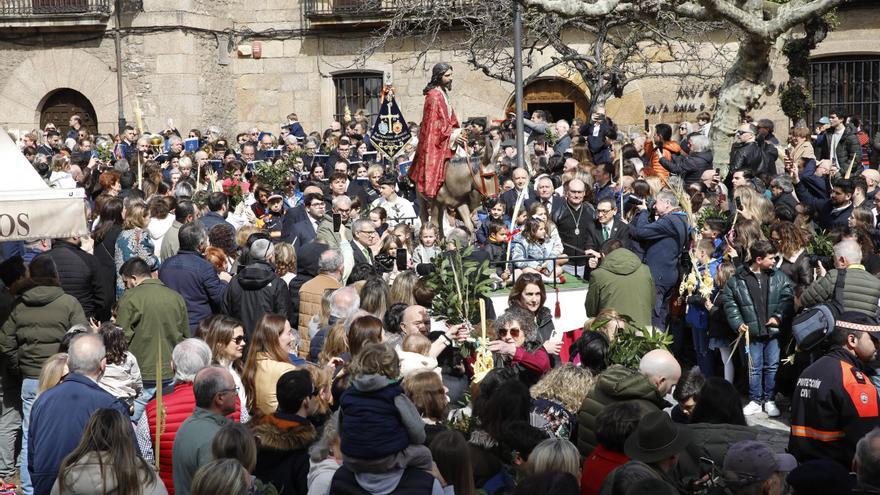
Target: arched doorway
x,y
63,103
562,98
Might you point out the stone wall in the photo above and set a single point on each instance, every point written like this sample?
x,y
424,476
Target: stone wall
x,y
172,69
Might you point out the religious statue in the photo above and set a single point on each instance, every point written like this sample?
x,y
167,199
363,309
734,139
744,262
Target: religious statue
x,y
439,133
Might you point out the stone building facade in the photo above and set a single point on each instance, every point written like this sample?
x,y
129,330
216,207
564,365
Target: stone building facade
x,y
239,64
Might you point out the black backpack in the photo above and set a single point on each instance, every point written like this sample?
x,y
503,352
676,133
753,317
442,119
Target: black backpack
x,y
812,325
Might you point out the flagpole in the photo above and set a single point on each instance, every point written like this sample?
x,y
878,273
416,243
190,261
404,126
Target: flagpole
x,y
518,82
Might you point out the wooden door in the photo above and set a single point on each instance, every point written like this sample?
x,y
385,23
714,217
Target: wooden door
x,y
64,103
556,94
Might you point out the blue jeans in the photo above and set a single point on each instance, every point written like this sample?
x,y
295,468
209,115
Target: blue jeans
x,y
140,403
764,352
10,423
28,396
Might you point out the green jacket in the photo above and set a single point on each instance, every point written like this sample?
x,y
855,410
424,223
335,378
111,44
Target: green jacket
x,y
739,307
624,283
170,243
615,384
34,330
153,315
192,446
861,290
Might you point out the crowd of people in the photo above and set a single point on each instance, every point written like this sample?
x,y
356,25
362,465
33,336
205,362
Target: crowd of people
x,y
220,332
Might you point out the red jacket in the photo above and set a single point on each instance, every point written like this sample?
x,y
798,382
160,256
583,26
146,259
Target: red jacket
x,y
596,468
178,402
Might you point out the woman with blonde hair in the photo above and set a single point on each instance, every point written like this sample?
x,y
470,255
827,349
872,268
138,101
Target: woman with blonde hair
x,y
754,206
555,455
402,288
335,345
285,261
134,241
746,232
53,372
557,397
268,358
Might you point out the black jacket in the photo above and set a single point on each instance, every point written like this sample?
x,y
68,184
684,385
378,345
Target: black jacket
x,y
759,157
689,167
80,277
104,253
282,457
847,148
255,291
619,231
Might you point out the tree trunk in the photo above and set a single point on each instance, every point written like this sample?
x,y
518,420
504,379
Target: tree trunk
x,y
743,86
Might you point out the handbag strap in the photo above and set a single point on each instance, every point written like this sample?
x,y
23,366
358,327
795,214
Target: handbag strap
x,y
838,288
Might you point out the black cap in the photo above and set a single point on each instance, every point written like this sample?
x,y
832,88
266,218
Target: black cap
x,y
855,320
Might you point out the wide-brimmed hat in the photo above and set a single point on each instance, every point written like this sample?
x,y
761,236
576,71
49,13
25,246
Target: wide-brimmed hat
x,y
657,438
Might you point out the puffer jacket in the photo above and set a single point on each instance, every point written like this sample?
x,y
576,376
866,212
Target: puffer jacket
x,y
615,384
34,330
711,441
282,457
740,308
178,403
798,270
79,273
690,167
255,291
84,478
847,148
310,296
667,151
861,290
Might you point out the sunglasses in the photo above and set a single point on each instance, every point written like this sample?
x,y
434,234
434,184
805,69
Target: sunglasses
x,y
514,332
239,339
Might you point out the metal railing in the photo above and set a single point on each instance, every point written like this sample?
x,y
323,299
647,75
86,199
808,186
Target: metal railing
x,y
355,9
44,8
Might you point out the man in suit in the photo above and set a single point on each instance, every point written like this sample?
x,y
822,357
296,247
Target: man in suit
x,y
306,231
296,215
608,226
603,183
546,195
564,139
509,198
365,237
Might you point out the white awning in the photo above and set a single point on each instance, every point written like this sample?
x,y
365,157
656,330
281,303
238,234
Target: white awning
x,y
29,208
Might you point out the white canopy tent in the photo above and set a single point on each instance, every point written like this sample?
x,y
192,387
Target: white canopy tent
x,y
29,208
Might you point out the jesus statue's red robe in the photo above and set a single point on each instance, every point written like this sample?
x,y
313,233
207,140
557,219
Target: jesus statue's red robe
x,y
436,143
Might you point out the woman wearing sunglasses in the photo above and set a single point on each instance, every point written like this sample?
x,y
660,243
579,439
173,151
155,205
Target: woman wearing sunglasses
x,y
225,336
518,346
529,293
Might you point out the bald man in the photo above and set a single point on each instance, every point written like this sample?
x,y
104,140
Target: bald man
x,y
415,320
657,375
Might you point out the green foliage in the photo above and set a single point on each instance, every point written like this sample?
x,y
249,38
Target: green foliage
x,y
796,101
711,212
273,175
458,283
821,244
631,342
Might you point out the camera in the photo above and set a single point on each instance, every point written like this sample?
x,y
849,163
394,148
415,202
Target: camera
x,y
827,261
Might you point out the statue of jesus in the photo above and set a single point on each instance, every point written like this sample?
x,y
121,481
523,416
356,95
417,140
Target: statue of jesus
x,y
439,133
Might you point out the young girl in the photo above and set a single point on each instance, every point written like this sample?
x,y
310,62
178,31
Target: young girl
x,y
427,248
554,243
529,246
122,378
379,218
381,428
720,334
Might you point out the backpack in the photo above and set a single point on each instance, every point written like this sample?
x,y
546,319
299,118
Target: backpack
x,y
812,325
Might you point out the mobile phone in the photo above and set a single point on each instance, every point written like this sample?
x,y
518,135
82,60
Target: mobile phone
x,y
647,125
337,222
401,259
739,203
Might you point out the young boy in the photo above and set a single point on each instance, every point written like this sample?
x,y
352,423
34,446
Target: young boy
x,y
497,249
698,310
274,216
758,299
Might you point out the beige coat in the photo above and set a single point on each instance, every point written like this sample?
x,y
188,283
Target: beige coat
x,y
310,295
265,380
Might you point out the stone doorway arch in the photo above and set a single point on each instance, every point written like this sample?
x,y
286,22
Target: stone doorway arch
x,y
61,104
562,98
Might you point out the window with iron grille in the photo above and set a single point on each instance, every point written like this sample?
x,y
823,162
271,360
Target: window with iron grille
x,y
358,90
848,83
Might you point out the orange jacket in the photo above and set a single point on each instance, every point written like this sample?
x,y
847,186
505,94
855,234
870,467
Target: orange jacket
x,y
654,168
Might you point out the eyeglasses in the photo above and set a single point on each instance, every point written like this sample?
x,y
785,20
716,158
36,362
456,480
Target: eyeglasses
x,y
239,339
514,332
343,210
318,205
227,390
602,212
368,232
